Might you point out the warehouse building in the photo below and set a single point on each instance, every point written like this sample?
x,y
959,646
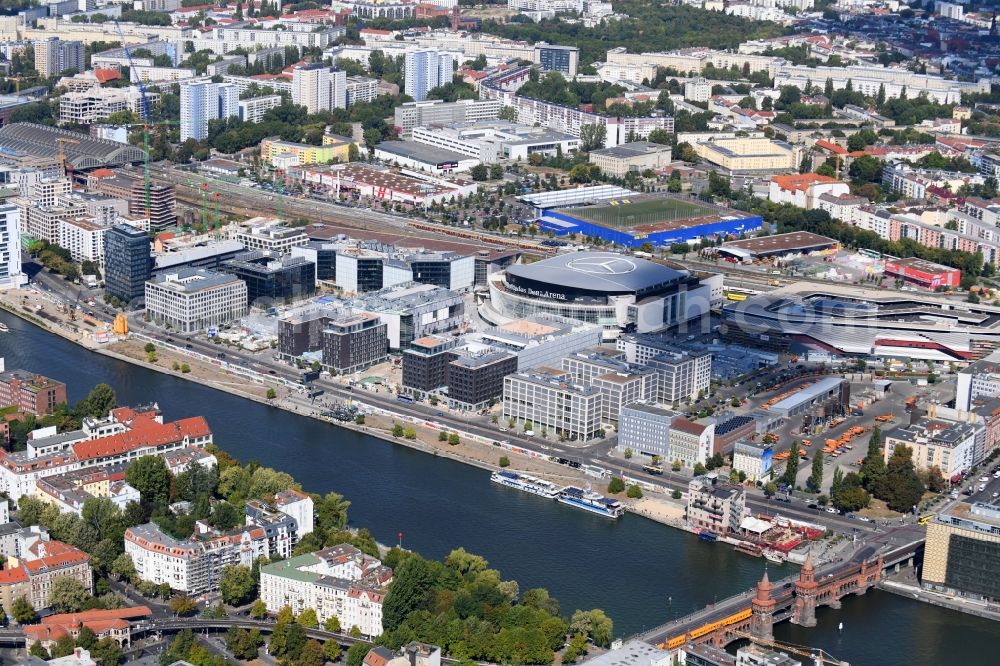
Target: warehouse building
x,y
777,245
923,273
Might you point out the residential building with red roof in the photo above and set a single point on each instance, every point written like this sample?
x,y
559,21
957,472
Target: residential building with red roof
x,y
804,189
690,443
115,624
32,574
121,438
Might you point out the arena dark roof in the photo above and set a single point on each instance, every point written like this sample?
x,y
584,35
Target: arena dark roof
x,y
85,153
598,271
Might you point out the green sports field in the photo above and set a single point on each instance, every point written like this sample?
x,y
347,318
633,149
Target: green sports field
x,y
640,213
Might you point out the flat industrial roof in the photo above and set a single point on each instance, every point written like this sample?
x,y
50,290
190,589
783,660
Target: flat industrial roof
x,y
421,152
920,265
795,240
808,393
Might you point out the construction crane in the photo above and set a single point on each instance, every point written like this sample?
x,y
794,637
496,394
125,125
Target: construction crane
x,y
818,656
143,116
61,142
17,82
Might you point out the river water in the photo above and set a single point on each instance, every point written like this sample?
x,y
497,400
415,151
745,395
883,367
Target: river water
x,y
640,572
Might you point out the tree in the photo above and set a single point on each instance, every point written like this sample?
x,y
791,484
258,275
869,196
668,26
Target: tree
x,y
616,485
454,439
23,612
38,651
356,653
865,169
332,624
372,136
68,595
699,469
903,487
149,475
628,454
259,610
106,651
594,623
792,466
271,394
936,482
479,172
244,644
873,468
307,618
592,136
311,654
86,639
183,606
634,491
770,488
412,582
504,461
816,478
236,585
442,436
397,430
332,651
63,647
98,403
853,498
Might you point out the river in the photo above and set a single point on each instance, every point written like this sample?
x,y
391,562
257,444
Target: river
x,y
640,572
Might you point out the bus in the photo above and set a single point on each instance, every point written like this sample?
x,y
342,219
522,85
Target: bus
x,y
740,293
651,469
925,520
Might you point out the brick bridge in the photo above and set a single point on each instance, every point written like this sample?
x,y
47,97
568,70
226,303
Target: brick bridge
x,y
795,598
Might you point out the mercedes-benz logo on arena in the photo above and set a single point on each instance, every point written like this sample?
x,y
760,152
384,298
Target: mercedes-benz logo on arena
x,y
602,265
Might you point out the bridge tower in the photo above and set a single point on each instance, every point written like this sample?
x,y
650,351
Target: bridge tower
x,y
869,575
804,607
762,605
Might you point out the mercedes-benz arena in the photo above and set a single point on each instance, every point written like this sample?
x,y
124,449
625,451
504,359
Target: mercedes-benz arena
x,y
614,290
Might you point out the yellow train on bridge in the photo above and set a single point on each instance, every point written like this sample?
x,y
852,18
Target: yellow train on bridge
x,y
705,629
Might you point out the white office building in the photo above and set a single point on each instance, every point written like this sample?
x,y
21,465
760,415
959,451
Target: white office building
x,y
645,429
494,140
10,248
978,381
753,460
682,374
425,70
203,101
438,112
549,398
194,299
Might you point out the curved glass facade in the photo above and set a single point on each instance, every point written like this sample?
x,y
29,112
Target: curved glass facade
x,y
517,306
